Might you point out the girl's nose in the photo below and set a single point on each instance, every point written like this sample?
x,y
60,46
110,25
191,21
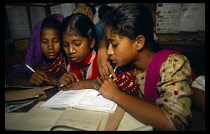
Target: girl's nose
x,y
50,46
72,50
110,50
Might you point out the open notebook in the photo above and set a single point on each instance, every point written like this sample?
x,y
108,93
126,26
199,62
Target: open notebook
x,y
82,99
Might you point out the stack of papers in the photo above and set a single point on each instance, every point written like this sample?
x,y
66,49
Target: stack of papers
x,y
15,95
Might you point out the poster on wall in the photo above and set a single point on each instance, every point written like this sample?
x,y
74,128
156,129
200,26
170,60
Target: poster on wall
x,y
192,17
168,17
63,9
18,22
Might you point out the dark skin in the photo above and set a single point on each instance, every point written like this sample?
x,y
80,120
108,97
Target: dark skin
x,y
104,65
50,46
76,48
140,56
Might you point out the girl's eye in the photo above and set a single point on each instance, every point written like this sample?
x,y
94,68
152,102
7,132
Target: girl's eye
x,y
78,44
44,42
56,41
65,45
114,45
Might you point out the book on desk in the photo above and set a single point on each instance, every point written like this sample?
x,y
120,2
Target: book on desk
x,y
81,99
38,119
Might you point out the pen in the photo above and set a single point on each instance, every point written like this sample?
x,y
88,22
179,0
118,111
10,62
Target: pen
x,y
32,69
62,85
114,71
29,68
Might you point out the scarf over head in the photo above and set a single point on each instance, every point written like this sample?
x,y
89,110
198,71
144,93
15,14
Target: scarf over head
x,y
34,57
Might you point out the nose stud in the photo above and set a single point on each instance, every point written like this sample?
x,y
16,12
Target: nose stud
x,y
74,51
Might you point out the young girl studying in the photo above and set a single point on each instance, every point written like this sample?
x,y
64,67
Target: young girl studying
x,y
44,62
162,76
78,36
78,41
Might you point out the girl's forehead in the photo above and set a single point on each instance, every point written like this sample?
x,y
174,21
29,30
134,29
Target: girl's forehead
x,y
71,32
72,35
49,28
73,38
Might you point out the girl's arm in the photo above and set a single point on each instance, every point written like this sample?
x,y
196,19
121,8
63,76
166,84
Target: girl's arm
x,y
81,84
20,77
145,112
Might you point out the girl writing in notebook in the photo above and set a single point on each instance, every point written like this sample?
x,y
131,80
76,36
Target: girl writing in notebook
x,y
162,76
78,37
78,41
44,57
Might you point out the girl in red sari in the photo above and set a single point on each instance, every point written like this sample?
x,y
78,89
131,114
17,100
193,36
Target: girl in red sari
x,y
44,56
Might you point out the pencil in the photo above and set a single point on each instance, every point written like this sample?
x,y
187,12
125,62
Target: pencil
x,y
32,69
29,68
114,71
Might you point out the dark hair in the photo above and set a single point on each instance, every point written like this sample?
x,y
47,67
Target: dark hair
x,y
51,22
103,10
131,20
93,9
80,25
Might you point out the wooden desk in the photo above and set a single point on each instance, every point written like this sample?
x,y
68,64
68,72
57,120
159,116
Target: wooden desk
x,y
124,122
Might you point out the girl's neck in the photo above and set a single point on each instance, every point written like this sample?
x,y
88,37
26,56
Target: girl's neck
x,y
143,60
49,60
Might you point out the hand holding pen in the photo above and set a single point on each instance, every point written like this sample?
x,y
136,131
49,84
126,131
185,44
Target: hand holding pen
x,y
67,79
114,72
37,77
110,76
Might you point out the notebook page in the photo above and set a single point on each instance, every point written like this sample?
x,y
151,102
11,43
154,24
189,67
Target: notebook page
x,y
64,99
93,102
80,119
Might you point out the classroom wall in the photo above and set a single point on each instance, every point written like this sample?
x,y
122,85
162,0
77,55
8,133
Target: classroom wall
x,y
21,18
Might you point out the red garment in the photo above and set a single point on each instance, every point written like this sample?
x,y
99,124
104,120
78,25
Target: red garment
x,y
57,68
92,71
126,81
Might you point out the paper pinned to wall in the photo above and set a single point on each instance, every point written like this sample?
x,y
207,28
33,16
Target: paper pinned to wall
x,y
63,9
168,17
192,17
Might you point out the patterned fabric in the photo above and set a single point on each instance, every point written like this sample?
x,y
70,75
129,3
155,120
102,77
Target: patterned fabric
x,y
56,69
83,8
126,81
153,75
174,89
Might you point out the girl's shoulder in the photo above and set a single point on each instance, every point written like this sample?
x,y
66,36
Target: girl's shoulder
x,y
175,59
